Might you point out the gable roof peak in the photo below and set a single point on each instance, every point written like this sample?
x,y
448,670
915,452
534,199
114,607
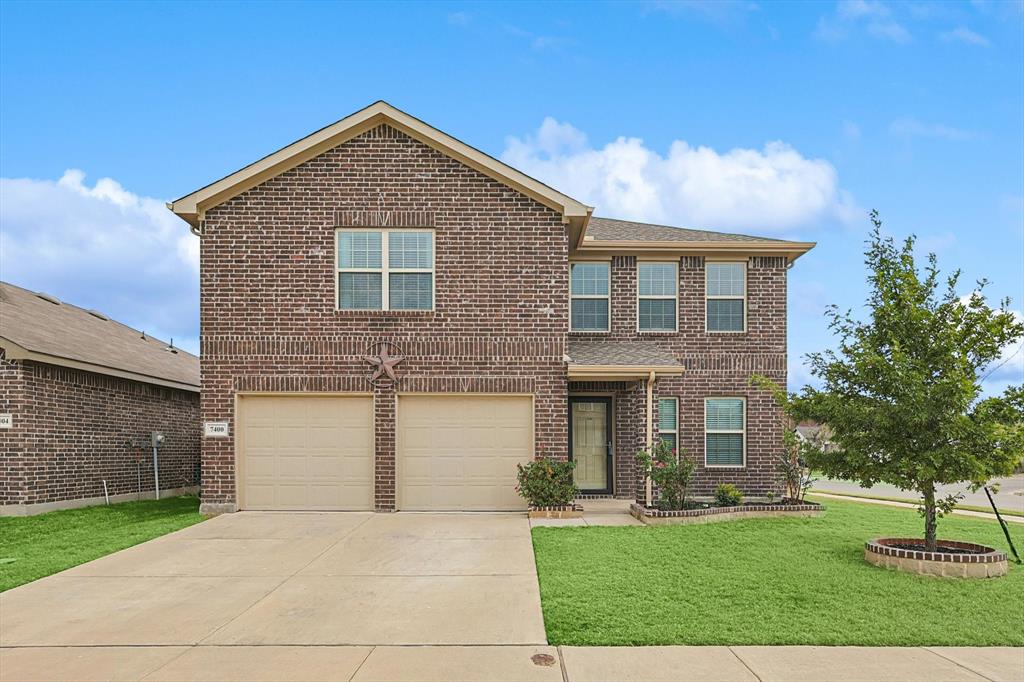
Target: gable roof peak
x,y
191,207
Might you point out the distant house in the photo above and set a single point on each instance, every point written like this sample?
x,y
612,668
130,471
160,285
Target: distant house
x,y
80,396
819,434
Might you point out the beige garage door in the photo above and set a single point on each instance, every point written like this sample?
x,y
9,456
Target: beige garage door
x,y
459,452
305,452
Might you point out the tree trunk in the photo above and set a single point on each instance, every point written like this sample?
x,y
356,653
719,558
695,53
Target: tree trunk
x,y
928,491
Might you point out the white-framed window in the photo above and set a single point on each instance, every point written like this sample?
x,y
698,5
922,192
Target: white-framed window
x,y
668,421
385,269
726,286
589,304
725,439
657,296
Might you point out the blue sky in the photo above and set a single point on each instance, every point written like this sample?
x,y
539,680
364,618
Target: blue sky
x,y
783,119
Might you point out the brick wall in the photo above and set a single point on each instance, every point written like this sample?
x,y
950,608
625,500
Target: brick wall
x,y
72,428
716,364
268,293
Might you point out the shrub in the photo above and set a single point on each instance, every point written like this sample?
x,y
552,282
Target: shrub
x,y
669,471
728,495
547,482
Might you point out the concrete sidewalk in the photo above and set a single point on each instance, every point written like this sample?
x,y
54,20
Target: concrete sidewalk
x,y
511,663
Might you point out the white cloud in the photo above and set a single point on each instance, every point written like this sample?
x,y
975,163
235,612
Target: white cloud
x,y
889,30
458,19
875,17
965,35
911,127
102,247
858,9
774,189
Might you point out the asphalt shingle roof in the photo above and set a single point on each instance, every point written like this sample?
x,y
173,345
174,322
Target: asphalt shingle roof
x,y
610,229
630,353
67,331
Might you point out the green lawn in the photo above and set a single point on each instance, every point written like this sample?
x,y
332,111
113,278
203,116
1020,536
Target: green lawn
x,y
32,547
770,581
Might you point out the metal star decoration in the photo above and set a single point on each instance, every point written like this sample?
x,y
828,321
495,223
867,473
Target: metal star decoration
x,y
383,364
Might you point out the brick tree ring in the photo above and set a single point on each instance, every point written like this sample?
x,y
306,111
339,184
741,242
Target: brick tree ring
x,y
954,560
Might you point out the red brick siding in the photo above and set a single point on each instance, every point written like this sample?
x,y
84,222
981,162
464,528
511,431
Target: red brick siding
x,y
72,428
268,292
715,364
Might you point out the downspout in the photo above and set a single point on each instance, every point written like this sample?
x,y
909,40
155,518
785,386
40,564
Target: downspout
x,y
648,488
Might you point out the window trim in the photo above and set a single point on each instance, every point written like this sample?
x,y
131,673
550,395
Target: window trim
x,y
742,432
658,297
708,297
675,430
591,297
385,269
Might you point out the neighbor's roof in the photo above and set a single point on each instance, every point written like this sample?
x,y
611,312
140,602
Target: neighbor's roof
x,y
619,359
191,206
41,328
612,235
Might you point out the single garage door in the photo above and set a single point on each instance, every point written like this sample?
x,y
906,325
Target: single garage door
x,y
459,452
305,452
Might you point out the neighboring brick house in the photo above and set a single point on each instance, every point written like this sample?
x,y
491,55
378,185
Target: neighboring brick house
x,y
524,327
80,396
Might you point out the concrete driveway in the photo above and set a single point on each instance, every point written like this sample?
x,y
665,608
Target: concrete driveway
x,y
279,580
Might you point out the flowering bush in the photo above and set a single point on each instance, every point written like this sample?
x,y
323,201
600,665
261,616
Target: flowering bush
x,y
546,482
670,472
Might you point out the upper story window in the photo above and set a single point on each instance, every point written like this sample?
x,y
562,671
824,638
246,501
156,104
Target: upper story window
x,y
385,269
657,291
589,289
726,297
725,432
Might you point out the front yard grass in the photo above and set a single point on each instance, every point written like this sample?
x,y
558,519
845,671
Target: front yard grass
x,y
770,581
32,547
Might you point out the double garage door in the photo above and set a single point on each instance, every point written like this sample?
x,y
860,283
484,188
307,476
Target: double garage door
x,y
454,452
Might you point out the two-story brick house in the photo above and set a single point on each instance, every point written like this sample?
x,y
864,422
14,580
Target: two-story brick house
x,y
392,319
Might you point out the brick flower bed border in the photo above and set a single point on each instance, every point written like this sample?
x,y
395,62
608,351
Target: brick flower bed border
x,y
562,511
718,514
989,563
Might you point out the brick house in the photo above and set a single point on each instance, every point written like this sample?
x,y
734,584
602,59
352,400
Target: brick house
x,y
523,324
80,396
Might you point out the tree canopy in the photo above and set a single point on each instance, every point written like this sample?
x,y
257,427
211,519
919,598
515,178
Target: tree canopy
x,y
902,392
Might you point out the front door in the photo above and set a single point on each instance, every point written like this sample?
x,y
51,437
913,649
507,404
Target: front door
x,y
590,437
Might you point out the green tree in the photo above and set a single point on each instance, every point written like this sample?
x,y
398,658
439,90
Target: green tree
x,y
901,393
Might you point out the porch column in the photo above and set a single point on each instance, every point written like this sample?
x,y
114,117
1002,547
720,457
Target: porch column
x,y
648,492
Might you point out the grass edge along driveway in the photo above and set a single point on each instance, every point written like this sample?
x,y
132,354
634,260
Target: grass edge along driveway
x,y
770,582
33,547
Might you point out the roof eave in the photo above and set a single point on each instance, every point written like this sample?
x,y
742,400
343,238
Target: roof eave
x,y
620,372
15,351
791,250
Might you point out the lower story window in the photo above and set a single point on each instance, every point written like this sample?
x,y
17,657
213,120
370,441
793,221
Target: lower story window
x,y
724,432
668,421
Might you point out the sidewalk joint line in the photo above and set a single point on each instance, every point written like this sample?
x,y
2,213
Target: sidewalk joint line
x,y
744,663
361,663
957,663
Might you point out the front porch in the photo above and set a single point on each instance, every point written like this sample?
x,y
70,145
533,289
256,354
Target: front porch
x,y
612,414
